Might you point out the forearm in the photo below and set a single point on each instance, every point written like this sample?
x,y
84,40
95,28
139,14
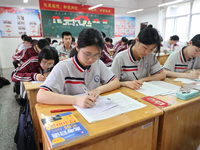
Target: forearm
x,y
176,74
48,97
156,77
110,86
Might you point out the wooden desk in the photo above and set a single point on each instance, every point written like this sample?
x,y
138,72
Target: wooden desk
x,y
162,58
31,90
179,126
137,130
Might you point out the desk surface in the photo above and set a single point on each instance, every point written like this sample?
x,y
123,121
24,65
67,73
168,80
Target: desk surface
x,y
108,127
32,86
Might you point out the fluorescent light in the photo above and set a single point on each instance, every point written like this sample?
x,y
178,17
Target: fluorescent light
x,y
93,7
170,3
133,11
25,1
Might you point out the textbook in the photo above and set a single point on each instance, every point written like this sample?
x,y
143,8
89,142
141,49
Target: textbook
x,y
63,128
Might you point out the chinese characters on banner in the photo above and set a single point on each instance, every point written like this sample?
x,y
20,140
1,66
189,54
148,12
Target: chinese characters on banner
x,y
15,21
124,26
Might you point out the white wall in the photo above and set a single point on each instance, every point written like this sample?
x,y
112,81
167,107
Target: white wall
x,y
150,14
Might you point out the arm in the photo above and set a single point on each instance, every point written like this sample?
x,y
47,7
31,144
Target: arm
x,y
190,75
135,84
155,77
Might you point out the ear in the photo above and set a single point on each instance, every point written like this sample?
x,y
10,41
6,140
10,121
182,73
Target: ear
x,y
190,43
136,40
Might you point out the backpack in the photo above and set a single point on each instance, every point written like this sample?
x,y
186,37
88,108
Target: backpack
x,y
24,136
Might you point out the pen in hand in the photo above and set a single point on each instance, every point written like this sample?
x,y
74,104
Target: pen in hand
x,y
86,91
135,76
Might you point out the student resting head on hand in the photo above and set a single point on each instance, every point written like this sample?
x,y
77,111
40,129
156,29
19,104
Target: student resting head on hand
x,y
70,76
138,64
185,62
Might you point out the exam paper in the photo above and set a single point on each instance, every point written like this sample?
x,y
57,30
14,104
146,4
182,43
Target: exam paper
x,y
186,80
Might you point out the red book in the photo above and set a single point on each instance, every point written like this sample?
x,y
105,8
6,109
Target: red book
x,y
155,101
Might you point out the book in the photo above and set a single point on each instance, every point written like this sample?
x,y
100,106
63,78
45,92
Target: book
x,y
63,128
155,101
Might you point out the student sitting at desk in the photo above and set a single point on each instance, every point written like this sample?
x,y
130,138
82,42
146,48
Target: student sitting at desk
x,y
185,62
171,44
71,76
133,66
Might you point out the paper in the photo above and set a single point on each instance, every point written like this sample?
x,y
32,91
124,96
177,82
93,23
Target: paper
x,y
36,82
158,88
186,80
124,104
102,104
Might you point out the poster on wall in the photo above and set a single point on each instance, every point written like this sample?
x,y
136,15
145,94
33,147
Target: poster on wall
x,y
124,26
15,21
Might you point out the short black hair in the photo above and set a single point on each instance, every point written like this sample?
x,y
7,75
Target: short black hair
x,y
89,37
196,40
48,39
73,39
107,39
131,42
104,35
42,43
174,37
23,36
66,33
48,53
28,39
54,41
124,39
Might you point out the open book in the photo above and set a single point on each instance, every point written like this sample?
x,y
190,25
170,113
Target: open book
x,y
122,103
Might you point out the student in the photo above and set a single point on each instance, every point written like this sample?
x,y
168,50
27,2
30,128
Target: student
x,y
133,66
85,69
185,62
54,43
36,68
22,37
171,44
120,46
107,42
73,42
27,43
65,49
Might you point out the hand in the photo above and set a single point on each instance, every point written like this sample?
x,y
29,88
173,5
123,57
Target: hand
x,y
46,74
84,101
135,84
94,94
40,77
193,75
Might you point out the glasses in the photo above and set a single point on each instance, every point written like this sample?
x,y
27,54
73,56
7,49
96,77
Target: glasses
x,y
89,55
48,65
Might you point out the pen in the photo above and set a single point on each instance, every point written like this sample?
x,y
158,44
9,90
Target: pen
x,y
86,91
41,72
135,76
60,110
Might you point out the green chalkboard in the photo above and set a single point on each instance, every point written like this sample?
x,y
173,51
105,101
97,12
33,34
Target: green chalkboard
x,y
55,22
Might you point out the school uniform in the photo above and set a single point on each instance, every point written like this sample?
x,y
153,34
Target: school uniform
x,y
176,62
69,76
118,48
27,71
25,54
105,56
62,52
126,67
168,46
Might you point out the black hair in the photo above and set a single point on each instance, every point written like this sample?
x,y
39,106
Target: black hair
x,y
174,37
49,53
54,41
28,39
48,39
149,36
107,39
89,37
196,40
73,52
111,40
23,36
131,42
34,42
73,39
103,34
124,39
66,33
42,43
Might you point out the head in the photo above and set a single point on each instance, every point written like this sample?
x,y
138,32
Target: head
x,y
23,36
73,41
130,43
54,41
193,48
147,40
89,46
124,41
48,57
174,39
41,44
107,40
27,41
67,38
49,40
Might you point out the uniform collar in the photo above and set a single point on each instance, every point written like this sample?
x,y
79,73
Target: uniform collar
x,y
130,54
64,49
80,67
182,57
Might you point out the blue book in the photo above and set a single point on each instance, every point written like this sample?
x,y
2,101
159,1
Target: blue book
x,y
63,128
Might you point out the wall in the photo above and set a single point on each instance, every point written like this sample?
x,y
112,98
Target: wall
x,y
9,45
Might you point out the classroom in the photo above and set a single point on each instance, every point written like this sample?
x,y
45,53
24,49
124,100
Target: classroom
x,y
137,59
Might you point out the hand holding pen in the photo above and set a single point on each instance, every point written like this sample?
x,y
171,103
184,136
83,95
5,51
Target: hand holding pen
x,y
91,97
193,74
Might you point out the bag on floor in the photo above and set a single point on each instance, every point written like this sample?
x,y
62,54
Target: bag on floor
x,y
24,136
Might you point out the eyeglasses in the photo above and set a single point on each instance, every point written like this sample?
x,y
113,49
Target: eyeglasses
x,y
89,55
48,65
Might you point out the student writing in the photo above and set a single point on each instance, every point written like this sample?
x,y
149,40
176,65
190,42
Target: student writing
x,y
133,66
185,62
84,69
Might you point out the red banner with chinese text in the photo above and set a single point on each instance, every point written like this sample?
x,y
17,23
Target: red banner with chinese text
x,y
69,7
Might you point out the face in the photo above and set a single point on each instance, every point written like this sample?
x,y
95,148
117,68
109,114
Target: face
x,y
88,55
193,51
142,50
123,43
45,64
173,42
26,43
37,48
67,39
